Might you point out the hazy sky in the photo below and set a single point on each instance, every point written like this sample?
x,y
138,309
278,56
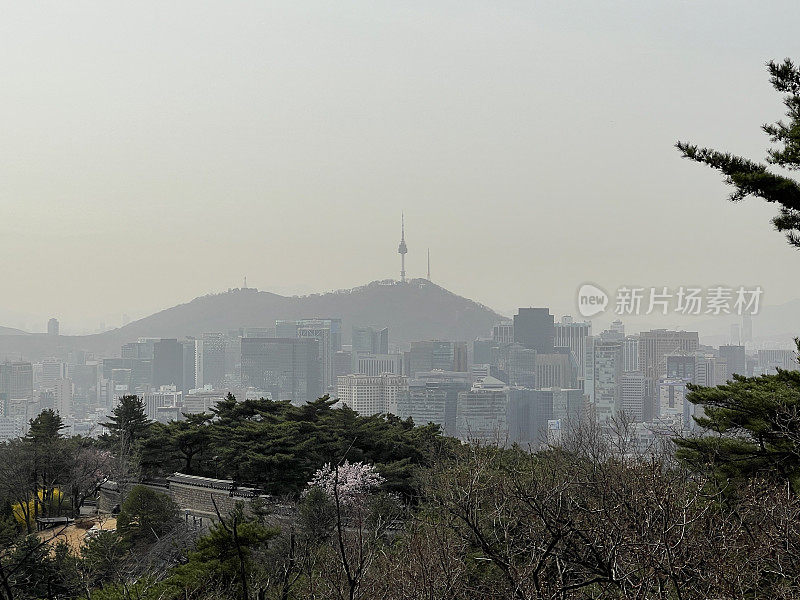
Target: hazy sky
x,y
154,152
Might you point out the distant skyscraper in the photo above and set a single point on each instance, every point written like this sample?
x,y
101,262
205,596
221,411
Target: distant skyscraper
x,y
16,381
402,249
53,370
370,395
672,401
368,340
141,349
735,357
556,369
167,363
442,355
425,402
572,334
653,347
451,382
520,365
630,353
378,364
607,378
503,333
189,365
482,412
681,366
769,361
528,413
64,394
328,332
709,370
633,395
618,326
288,369
534,328
747,328
211,367
52,327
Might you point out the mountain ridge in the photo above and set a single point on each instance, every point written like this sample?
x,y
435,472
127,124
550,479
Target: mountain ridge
x,y
414,310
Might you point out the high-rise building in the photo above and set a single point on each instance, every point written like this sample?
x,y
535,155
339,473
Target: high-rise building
x,y
425,402
534,328
485,352
735,357
482,412
210,367
528,413
140,349
709,370
53,370
747,328
168,363
441,355
166,396
451,382
64,391
633,395
572,334
681,365
342,365
328,332
618,327
368,340
201,400
503,333
520,365
607,378
288,369
16,381
653,348
377,364
52,327
672,401
556,369
370,395
769,361
630,353
189,360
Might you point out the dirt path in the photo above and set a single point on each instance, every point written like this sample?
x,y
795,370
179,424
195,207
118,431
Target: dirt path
x,y
75,534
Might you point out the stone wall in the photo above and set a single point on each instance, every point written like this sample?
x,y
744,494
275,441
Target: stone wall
x,y
191,493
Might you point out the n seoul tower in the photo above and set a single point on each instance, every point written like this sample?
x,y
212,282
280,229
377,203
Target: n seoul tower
x,y
402,249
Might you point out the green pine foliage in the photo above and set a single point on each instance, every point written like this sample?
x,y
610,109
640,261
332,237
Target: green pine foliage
x,y
752,429
278,446
750,178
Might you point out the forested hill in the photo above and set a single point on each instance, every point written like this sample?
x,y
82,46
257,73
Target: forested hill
x,y
416,310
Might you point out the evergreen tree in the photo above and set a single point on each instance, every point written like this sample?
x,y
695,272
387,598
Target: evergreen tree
x,y
146,515
750,178
45,428
752,429
128,421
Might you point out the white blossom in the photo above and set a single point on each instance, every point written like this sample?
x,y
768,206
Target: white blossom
x,y
351,481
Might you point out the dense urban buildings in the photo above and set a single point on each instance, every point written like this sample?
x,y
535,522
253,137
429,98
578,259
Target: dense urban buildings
x,y
526,381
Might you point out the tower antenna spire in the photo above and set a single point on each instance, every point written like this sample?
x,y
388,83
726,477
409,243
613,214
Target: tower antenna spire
x,y
402,249
429,264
